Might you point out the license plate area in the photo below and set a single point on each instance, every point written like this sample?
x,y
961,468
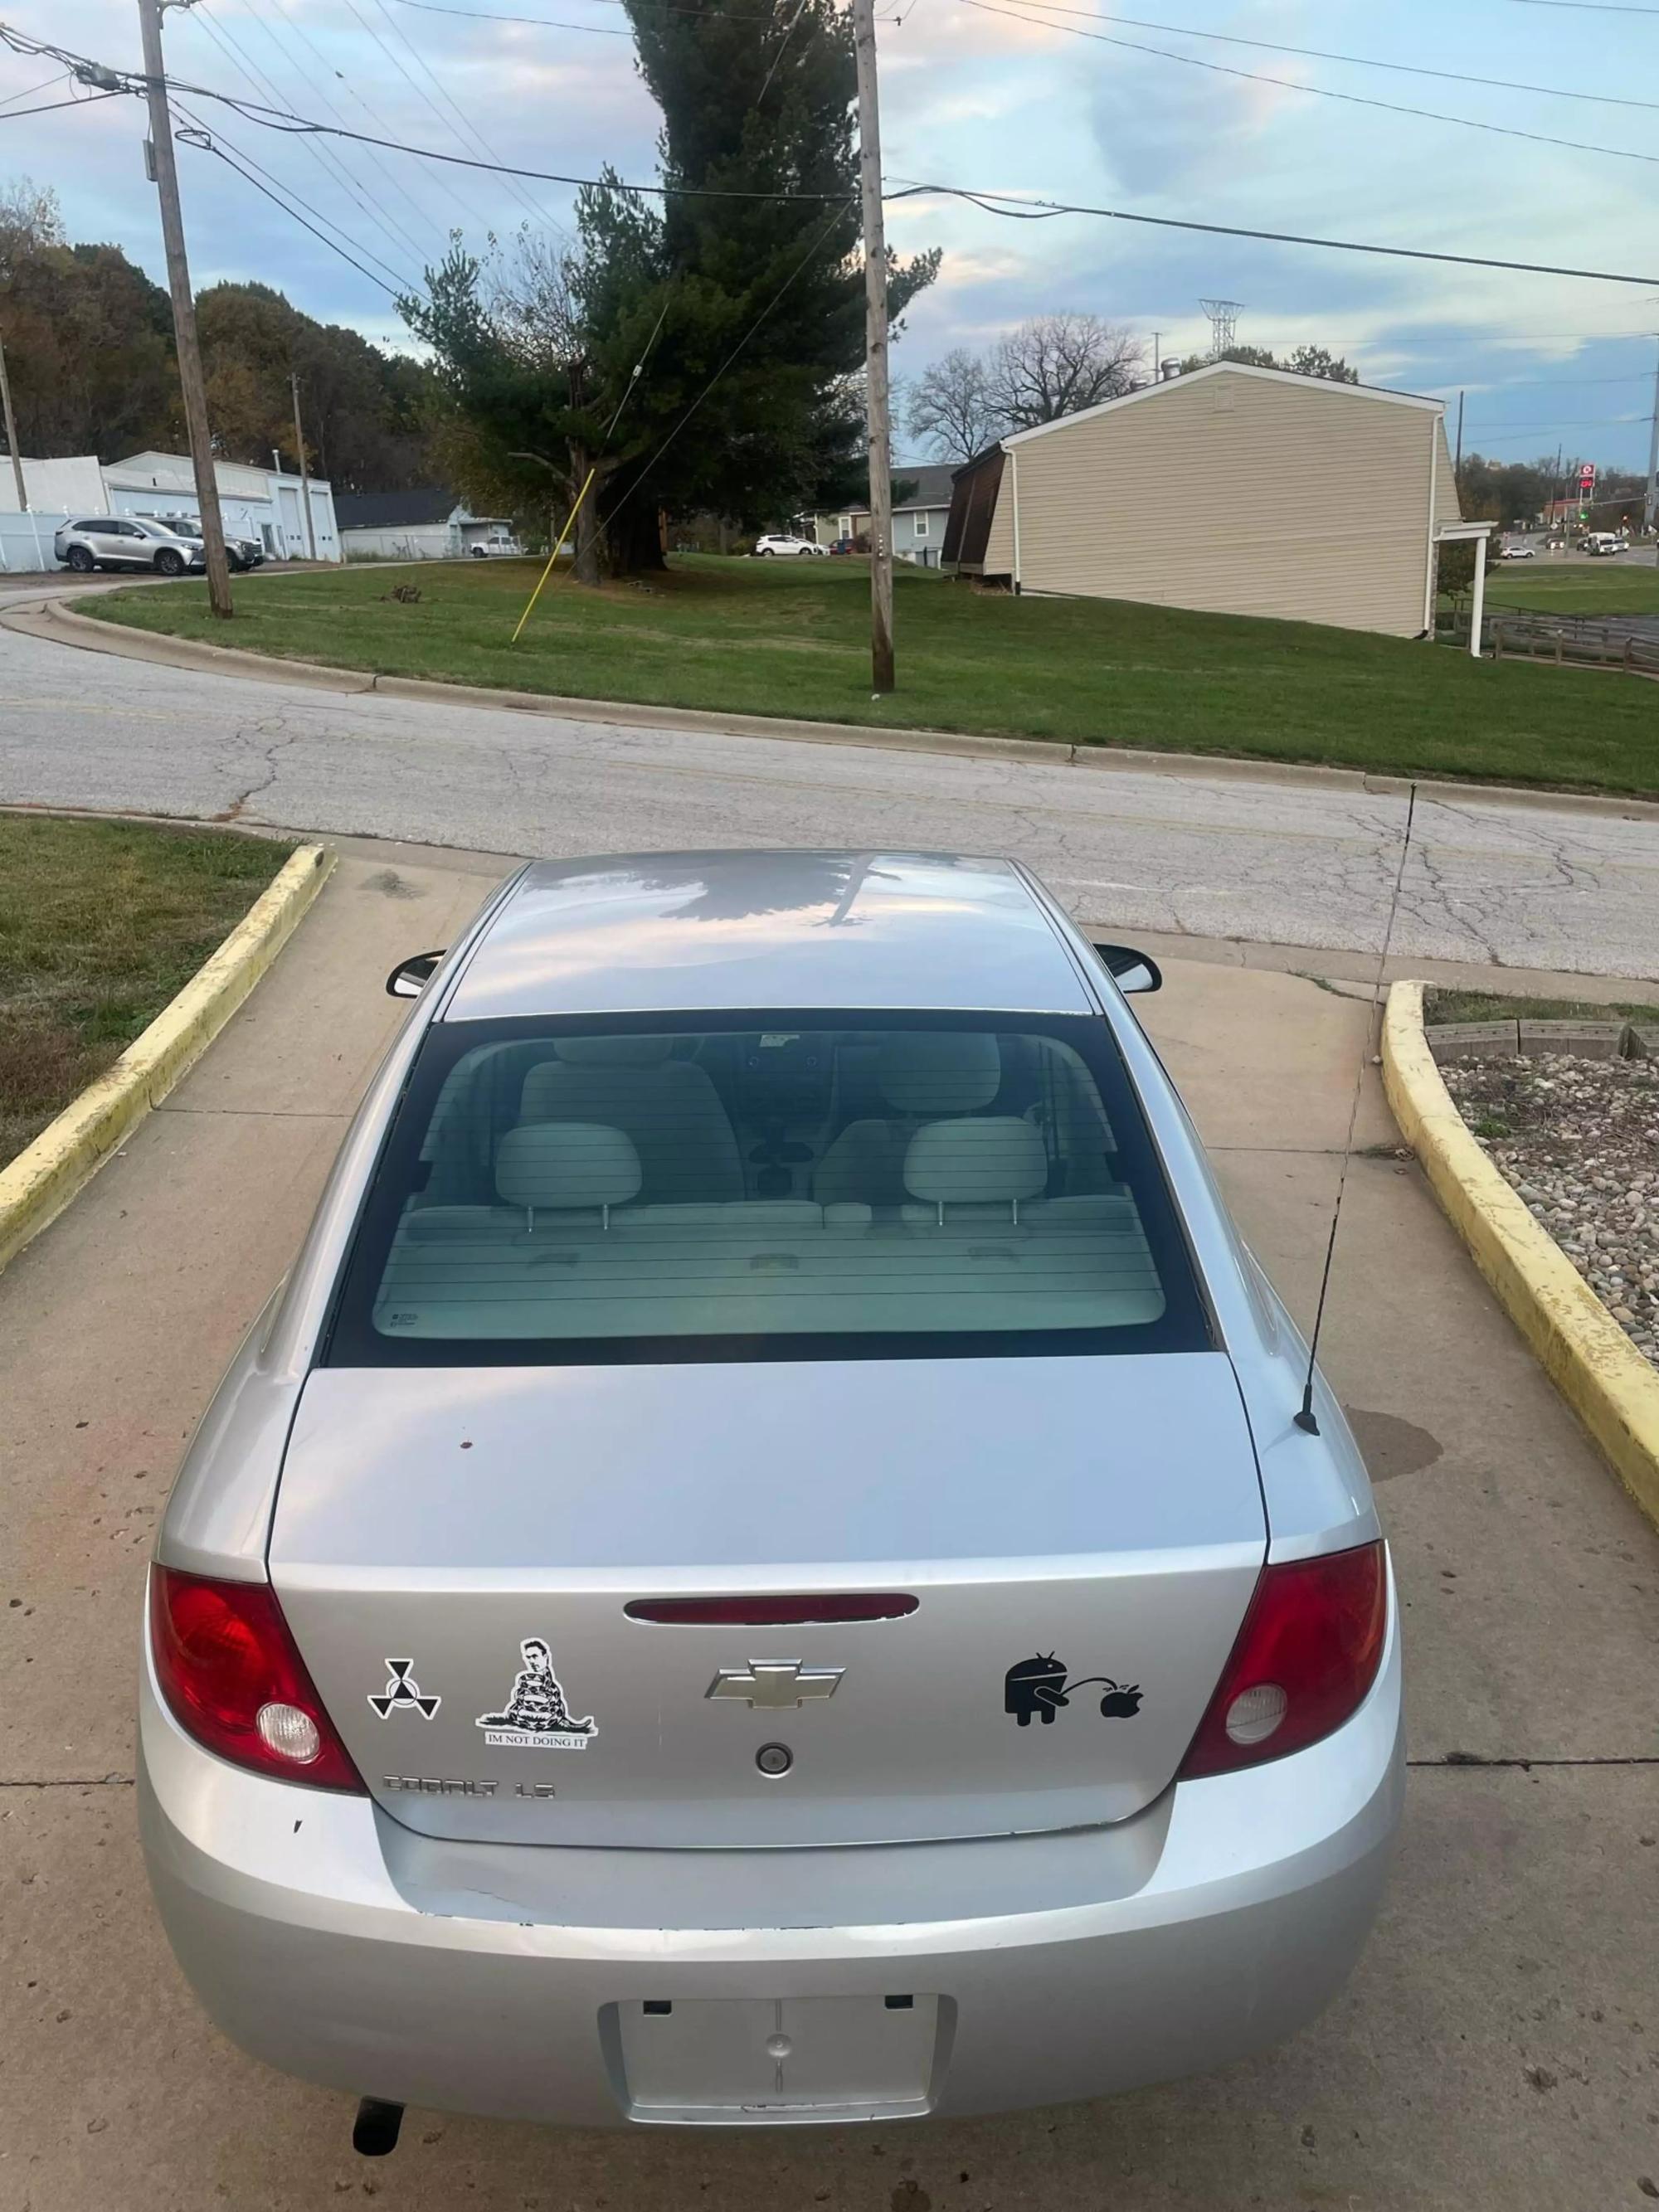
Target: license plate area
x,y
759,2061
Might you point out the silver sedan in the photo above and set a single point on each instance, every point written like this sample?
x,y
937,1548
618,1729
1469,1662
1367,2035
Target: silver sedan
x,y
761,1568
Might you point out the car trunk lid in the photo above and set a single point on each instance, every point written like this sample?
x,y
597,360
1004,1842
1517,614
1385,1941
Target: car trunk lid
x,y
457,1551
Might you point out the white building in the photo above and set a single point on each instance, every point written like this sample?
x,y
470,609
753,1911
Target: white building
x,y
260,503
429,524
264,504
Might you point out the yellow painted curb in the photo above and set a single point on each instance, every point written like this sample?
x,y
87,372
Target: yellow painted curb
x,y
42,1180
1598,1370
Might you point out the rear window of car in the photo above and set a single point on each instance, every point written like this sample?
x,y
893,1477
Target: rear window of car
x,y
776,1185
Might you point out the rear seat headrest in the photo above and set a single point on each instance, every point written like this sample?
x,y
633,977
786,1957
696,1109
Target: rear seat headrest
x,y
992,1160
922,1072
613,1051
567,1166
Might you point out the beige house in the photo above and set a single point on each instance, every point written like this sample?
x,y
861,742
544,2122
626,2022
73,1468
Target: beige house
x,y
1231,490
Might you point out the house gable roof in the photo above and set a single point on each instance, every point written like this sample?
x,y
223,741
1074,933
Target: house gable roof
x,y
1153,392
395,510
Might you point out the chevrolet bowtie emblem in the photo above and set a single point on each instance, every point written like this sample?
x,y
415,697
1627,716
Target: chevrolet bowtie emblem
x,y
773,1684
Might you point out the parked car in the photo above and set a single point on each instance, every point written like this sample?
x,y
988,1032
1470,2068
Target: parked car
x,y
1514,550
779,543
759,1568
241,553
126,541
494,548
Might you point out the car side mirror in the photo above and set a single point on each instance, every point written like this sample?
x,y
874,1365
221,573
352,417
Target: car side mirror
x,y
410,977
1132,970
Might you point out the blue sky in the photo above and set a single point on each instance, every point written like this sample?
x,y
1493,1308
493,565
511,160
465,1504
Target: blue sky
x,y
1009,105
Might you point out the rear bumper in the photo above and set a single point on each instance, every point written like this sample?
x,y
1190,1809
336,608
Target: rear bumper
x,y
332,1942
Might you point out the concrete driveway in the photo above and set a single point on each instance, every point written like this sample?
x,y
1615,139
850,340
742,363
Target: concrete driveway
x,y
1498,2046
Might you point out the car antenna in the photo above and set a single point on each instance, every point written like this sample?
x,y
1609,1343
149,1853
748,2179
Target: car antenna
x,y
1306,1418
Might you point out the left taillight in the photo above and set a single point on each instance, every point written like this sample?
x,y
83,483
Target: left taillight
x,y
233,1679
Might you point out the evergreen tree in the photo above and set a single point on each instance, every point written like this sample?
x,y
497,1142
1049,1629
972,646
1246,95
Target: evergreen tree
x,y
746,309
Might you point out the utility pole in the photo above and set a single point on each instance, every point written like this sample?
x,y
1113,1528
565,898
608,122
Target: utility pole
x,y
184,308
1650,501
305,473
11,434
1157,356
1457,462
878,430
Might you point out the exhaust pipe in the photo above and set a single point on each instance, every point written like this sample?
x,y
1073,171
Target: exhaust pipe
x,y
374,2130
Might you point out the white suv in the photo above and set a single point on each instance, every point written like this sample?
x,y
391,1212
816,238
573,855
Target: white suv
x,y
778,542
126,541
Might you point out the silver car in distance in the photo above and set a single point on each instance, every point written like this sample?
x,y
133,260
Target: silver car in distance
x,y
761,1568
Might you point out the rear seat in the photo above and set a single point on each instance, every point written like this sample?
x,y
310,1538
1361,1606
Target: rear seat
x,y
568,1252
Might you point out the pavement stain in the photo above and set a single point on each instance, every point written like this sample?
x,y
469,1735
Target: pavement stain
x,y
1392,1446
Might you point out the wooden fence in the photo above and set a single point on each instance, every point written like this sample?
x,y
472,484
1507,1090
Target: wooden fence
x,y
1510,635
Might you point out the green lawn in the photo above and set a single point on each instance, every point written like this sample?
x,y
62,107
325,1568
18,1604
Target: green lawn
x,y
1453,1005
792,638
100,924
1589,588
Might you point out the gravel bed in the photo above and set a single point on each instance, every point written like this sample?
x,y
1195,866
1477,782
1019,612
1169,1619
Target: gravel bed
x,y
1579,1140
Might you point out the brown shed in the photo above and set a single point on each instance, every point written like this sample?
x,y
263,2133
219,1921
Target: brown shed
x,y
1233,490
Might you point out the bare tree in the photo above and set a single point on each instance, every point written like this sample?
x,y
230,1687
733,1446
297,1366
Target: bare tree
x,y
950,405
534,301
1056,364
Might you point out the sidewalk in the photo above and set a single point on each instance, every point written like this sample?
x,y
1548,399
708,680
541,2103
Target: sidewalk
x,y
1496,2047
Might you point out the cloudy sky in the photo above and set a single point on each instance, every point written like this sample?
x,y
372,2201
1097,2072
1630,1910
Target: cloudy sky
x,y
1133,113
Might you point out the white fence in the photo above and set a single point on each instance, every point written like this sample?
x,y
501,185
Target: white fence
x,y
25,540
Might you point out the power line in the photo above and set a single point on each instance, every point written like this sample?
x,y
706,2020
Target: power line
x,y
331,163
79,99
544,23
390,222
1040,210
29,90
466,133
1561,383
772,68
203,140
1005,204
1591,6
351,4
1349,61
422,214
1559,423
1315,91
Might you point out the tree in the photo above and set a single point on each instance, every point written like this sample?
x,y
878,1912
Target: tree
x,y
1305,361
89,345
1315,361
742,311
949,406
1056,365
88,338
362,409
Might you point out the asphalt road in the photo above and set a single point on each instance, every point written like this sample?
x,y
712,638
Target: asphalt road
x,y
1242,855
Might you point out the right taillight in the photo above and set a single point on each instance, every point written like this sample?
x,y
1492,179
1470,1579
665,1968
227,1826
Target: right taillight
x,y
1304,1661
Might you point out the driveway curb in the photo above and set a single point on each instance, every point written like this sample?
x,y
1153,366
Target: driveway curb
x,y
52,619
46,1174
1598,1370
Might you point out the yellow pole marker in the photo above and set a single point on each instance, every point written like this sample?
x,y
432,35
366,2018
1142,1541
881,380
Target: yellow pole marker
x,y
554,554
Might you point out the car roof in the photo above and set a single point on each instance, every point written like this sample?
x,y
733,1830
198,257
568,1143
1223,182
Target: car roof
x,y
719,932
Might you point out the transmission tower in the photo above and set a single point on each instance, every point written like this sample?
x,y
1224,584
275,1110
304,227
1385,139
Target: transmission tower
x,y
1223,324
